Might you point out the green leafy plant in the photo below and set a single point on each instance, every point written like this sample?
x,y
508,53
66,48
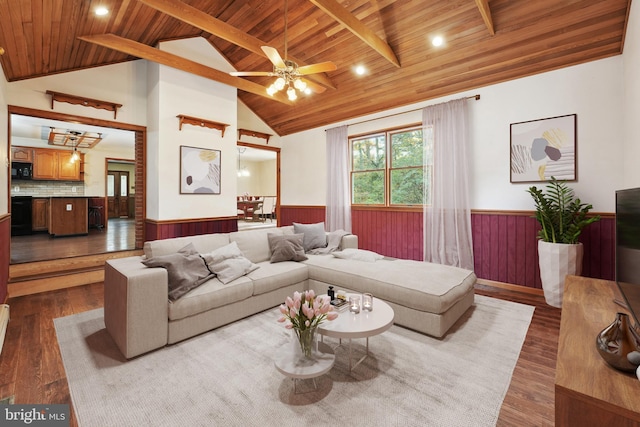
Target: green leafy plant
x,y
561,215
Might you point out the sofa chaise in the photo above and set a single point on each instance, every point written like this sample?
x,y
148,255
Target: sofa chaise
x,y
139,316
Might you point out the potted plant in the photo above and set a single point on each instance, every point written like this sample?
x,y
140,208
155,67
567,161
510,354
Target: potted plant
x,y
562,217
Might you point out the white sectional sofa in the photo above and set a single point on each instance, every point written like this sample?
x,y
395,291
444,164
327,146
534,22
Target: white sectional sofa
x,y
140,317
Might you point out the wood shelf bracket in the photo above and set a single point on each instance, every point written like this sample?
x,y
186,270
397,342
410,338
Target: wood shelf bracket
x,y
86,102
188,120
253,133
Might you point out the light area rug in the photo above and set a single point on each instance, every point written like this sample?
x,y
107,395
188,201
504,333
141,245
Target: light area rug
x,y
227,376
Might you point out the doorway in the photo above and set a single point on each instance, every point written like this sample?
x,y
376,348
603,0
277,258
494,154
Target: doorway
x,y
118,201
31,121
259,176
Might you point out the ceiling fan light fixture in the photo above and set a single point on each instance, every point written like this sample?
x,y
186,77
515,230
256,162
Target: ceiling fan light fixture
x,y
300,84
280,83
291,93
271,90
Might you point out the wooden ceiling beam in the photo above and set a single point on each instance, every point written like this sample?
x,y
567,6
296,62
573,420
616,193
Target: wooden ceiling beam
x,y
143,51
353,24
218,28
483,6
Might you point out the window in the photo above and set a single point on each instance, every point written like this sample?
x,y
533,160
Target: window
x,y
387,168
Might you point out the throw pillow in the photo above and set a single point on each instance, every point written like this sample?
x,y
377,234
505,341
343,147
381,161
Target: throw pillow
x,y
228,263
286,247
358,255
314,235
186,270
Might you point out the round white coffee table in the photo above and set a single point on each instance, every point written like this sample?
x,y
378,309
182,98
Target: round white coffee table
x,y
293,364
361,325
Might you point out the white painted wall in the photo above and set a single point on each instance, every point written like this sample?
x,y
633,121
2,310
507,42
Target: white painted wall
x,y
593,91
120,83
173,92
631,60
262,181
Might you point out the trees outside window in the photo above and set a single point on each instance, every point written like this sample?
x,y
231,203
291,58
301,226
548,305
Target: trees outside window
x,y
387,168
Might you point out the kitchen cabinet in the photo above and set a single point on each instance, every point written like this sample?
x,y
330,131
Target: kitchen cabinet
x,y
22,154
56,165
40,214
68,170
45,164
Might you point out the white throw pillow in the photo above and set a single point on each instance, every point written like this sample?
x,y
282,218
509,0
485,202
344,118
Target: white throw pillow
x,y
358,255
228,263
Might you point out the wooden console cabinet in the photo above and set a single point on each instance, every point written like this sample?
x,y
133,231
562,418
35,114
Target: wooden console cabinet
x,y
588,391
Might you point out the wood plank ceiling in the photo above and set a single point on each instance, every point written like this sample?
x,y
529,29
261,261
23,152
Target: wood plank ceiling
x,y
486,42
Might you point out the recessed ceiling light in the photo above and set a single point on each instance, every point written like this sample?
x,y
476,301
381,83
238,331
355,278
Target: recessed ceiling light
x,y
360,70
101,11
437,41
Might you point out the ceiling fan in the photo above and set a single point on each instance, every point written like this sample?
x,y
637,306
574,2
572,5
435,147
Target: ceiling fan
x,y
288,73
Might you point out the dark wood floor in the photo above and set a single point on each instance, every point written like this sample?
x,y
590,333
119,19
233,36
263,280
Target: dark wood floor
x,y
31,367
118,236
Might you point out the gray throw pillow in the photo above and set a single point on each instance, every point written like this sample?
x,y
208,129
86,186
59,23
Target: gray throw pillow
x,y
228,263
314,235
286,247
186,270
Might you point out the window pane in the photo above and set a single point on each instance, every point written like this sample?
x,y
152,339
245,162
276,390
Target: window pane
x,y
110,185
123,185
406,149
407,186
369,153
368,188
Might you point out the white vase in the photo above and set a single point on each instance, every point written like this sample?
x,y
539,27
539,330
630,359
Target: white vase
x,y
557,260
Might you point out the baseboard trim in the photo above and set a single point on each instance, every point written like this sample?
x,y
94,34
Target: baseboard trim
x,y
511,287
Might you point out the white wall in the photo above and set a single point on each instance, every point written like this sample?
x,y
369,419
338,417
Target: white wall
x,y
593,91
262,181
178,92
631,59
120,83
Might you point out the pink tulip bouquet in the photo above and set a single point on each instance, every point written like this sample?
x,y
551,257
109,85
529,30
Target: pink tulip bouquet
x,y
304,312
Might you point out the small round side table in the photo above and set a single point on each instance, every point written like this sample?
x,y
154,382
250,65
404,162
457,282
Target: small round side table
x,y
293,364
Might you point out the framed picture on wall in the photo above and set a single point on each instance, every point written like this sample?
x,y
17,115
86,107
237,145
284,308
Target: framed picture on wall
x,y
544,148
199,170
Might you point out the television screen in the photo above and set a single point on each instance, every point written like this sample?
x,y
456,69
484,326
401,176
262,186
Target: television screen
x,y
628,248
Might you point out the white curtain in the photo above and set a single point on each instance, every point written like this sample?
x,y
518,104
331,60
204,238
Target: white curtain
x,y
447,219
338,212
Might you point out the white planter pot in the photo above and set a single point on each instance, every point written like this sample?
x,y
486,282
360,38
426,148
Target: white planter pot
x,y
557,260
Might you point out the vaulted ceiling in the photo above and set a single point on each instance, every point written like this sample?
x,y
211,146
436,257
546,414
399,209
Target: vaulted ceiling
x,y
486,42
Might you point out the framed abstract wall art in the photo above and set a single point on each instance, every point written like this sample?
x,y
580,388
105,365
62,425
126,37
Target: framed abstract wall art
x,y
544,148
199,170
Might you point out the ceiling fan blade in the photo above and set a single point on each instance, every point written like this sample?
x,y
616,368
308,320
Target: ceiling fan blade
x,y
251,73
274,57
320,67
315,87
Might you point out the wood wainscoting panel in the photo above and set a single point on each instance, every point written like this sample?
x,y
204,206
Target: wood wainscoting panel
x,y
166,229
301,214
505,245
5,241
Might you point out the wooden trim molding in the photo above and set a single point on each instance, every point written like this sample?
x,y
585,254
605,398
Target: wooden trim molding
x,y
189,220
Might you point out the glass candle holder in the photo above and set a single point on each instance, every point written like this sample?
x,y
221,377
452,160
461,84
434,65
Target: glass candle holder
x,y
354,304
367,302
